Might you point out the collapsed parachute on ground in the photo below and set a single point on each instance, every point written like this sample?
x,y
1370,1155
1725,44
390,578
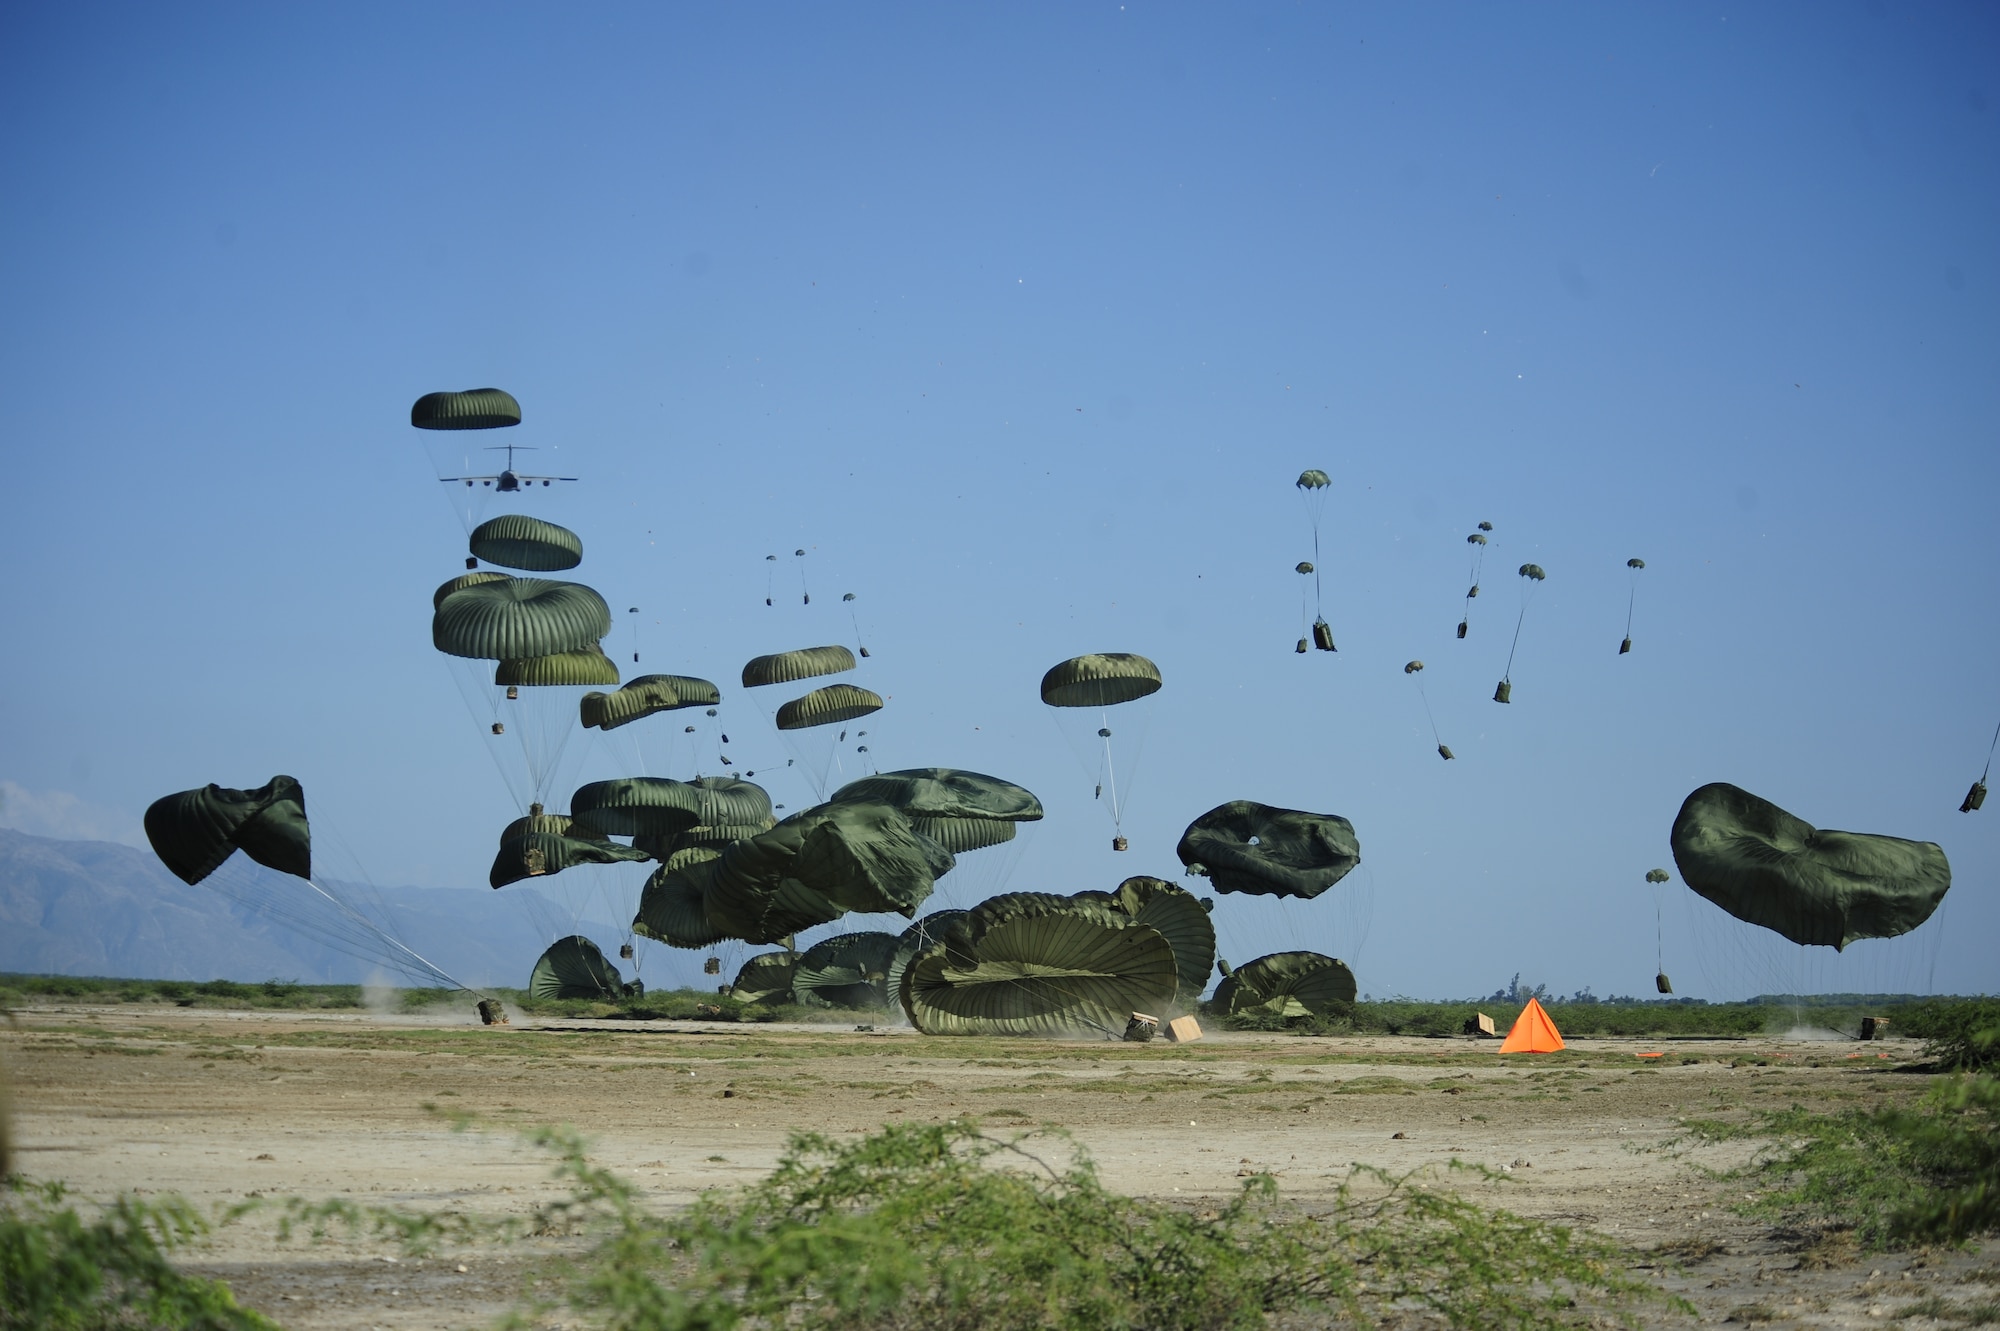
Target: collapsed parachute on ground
x,y
1287,984
515,540
1180,916
519,617
643,697
471,409
1244,846
922,933
766,978
1030,963
846,970
573,967
1814,886
546,843
194,831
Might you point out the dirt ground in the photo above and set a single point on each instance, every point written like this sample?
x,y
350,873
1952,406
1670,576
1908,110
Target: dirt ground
x,y
220,1106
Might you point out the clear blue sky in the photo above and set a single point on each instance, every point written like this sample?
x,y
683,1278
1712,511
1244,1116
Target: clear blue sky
x,y
1023,319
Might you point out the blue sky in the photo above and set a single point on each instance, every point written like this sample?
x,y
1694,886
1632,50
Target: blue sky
x,y
1022,319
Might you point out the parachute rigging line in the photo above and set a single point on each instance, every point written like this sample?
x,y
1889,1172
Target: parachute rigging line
x,y
1630,601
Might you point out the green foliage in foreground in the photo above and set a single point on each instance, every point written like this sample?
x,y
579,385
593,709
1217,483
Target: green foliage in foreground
x,y
60,1271
943,1227
1896,1177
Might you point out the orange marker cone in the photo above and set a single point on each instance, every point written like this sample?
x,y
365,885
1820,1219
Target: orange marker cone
x,y
1532,1032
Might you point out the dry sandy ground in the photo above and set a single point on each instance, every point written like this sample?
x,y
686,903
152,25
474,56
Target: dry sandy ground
x,y
219,1106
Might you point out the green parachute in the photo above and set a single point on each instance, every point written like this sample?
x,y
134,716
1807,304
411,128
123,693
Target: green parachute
x,y
1478,543
1531,577
1312,487
1182,919
845,970
1631,603
1244,846
515,540
545,843
1814,886
1415,669
573,967
634,806
922,933
586,666
828,706
960,810
519,617
790,667
1029,963
472,409
766,978
1100,681
1287,984
643,697
194,831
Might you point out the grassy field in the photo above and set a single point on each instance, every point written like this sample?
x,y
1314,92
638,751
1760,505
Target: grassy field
x,y
1663,1019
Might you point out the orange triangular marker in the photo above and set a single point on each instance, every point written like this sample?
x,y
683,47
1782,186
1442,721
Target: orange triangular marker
x,y
1532,1033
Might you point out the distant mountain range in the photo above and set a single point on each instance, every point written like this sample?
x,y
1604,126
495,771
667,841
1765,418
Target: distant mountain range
x,y
100,908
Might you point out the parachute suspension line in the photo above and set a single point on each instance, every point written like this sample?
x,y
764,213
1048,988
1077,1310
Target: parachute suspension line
x,y
398,948
1110,772
1527,594
805,593
1631,601
1439,739
1989,755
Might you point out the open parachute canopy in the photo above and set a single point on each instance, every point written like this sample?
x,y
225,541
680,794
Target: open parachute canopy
x,y
573,967
1814,886
519,617
194,831
827,706
1031,963
846,970
1313,479
1288,984
1100,679
586,665
464,580
650,806
643,697
515,540
1243,846
789,667
472,409
1656,875
546,843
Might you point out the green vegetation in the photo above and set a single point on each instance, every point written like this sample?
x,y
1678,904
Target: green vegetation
x,y
61,1271
942,1226
1893,1176
26,990
1587,1017
1958,1034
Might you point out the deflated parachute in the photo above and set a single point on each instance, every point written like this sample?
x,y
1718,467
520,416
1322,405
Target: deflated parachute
x,y
1029,963
672,906
546,843
945,792
643,697
861,857
573,967
194,831
1814,886
921,934
515,540
846,970
1244,846
766,978
1288,984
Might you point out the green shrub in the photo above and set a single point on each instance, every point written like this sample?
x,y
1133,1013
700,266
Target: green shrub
x,y
943,1227
61,1271
1960,1034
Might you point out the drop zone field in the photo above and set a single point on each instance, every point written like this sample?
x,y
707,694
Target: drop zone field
x,y
222,1104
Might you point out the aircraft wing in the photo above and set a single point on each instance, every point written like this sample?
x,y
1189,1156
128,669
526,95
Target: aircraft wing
x,y
519,477
467,479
